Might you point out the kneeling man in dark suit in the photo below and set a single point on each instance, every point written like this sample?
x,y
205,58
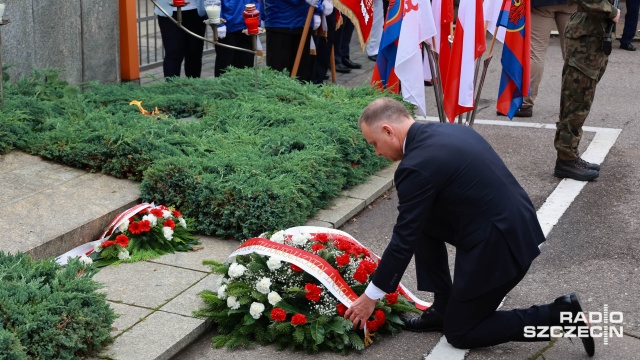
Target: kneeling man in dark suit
x,y
454,188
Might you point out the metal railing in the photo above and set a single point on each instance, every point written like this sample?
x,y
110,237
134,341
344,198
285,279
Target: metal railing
x,y
150,49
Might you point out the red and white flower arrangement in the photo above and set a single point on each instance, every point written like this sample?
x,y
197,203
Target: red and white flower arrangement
x,y
282,290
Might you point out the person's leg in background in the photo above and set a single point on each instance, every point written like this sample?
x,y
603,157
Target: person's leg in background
x,y
193,46
345,44
173,47
226,57
376,31
337,47
323,51
630,25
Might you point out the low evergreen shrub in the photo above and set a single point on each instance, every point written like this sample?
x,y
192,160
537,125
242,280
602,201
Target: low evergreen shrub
x,y
49,311
248,159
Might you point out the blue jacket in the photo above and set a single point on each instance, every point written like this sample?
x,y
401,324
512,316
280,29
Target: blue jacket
x,y
169,9
289,14
232,13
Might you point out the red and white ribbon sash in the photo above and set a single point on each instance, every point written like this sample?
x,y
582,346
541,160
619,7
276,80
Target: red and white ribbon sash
x,y
310,263
313,230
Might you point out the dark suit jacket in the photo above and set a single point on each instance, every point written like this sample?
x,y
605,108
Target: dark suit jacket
x,y
453,187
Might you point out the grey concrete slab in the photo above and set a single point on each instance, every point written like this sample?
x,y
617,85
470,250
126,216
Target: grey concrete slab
x,y
100,53
128,316
190,300
159,337
370,190
319,223
57,37
340,210
211,248
146,284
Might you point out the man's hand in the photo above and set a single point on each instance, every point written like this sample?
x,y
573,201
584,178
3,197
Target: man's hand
x,y
615,19
360,311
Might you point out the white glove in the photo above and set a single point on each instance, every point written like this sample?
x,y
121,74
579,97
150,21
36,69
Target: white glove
x,y
327,7
313,3
316,21
222,32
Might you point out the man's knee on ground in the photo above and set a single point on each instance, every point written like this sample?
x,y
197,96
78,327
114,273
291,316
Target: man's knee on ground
x,y
457,340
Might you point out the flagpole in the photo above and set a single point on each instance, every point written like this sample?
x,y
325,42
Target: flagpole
x,y
303,41
434,65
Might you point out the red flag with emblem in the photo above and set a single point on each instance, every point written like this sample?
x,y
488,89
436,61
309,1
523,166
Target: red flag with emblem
x,y
360,12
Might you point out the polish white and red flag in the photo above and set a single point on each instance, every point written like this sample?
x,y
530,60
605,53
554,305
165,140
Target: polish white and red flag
x,y
417,26
443,18
469,43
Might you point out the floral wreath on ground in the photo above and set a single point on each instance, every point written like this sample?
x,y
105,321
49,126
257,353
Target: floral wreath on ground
x,y
266,299
142,232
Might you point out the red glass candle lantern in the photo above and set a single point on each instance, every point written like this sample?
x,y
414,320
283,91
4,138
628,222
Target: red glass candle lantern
x,y
251,17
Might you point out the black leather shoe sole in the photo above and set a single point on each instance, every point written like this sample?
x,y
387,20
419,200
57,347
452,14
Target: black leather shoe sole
x,y
342,69
587,342
586,176
417,324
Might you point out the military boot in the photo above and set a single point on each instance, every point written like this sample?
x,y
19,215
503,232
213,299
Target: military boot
x,y
574,169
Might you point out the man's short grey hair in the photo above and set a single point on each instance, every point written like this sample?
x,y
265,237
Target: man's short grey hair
x,y
384,109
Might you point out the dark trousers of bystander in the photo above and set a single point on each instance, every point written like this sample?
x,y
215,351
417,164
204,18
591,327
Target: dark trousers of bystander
x,y
630,21
282,47
226,57
343,39
323,51
179,46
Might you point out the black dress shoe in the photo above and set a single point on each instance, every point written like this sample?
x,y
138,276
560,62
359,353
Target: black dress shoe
x,y
372,57
571,303
627,46
342,69
430,320
350,64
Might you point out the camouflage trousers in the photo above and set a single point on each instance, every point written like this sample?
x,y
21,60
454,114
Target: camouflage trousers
x,y
584,66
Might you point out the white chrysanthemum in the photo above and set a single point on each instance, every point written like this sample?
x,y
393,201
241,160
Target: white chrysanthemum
x,y
182,222
167,232
124,226
97,247
274,263
86,260
232,303
236,270
222,292
278,237
299,239
263,285
166,214
152,219
123,254
256,310
274,298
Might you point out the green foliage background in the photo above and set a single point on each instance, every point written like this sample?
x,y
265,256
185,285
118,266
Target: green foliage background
x,y
49,311
249,159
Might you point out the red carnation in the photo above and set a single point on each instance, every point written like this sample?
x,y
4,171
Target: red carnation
x,y
360,275
317,247
313,292
122,240
372,326
341,309
176,213
295,268
298,319
343,259
322,237
278,314
169,223
391,298
368,266
145,226
135,228
380,316
107,243
157,212
343,245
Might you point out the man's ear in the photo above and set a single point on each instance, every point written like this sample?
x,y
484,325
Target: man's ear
x,y
387,129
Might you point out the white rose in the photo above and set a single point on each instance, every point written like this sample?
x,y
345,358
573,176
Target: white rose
x,y
222,292
274,298
236,270
97,247
167,232
166,214
86,260
263,285
152,219
299,239
182,222
256,310
123,254
278,237
124,226
274,263
232,303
